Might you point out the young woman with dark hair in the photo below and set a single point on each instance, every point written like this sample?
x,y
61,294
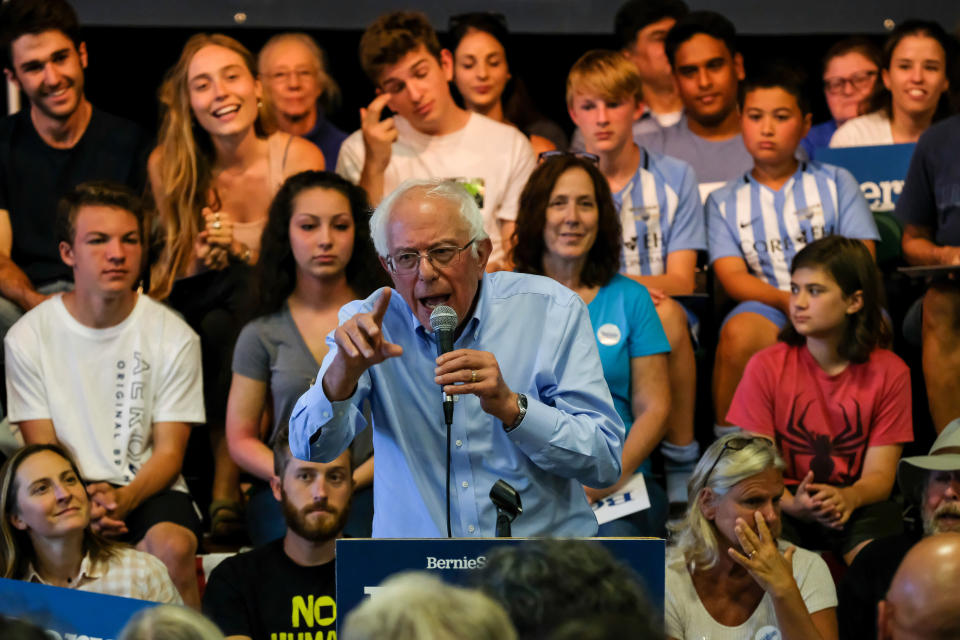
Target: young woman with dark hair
x,y
834,399
568,229
316,256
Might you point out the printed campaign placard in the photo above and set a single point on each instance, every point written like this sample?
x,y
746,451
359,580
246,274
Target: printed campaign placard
x,y
632,497
68,614
880,170
364,563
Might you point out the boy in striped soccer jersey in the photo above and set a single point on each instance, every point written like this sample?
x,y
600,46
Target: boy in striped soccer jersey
x,y
662,224
758,222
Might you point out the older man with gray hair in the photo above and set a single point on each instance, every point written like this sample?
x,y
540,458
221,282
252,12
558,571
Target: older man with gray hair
x,y
932,482
533,408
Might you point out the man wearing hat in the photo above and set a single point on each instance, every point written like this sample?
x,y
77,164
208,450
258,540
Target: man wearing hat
x,y
932,482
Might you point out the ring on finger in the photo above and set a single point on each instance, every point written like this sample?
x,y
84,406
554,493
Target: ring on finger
x,y
473,376
217,225
751,554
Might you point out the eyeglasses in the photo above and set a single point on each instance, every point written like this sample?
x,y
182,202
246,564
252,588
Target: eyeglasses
x,y
857,81
733,444
409,261
302,75
557,153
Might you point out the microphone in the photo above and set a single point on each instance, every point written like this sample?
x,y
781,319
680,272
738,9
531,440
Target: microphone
x,y
444,321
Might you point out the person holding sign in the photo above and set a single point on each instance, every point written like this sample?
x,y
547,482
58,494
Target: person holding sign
x,y
533,407
568,229
929,209
430,136
916,71
46,538
729,576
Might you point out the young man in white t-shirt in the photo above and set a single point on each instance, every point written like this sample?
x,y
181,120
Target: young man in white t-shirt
x,y
430,136
115,377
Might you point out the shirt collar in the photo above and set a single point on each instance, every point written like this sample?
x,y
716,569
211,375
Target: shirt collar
x,y
88,570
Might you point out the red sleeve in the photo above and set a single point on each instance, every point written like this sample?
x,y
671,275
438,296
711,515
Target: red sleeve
x,y
752,405
894,416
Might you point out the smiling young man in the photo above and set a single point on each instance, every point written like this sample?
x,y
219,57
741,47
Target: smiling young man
x,y
258,595
430,136
533,410
707,67
59,141
114,377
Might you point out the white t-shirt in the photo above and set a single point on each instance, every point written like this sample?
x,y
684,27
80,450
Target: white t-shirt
x,y
870,130
687,619
105,388
493,160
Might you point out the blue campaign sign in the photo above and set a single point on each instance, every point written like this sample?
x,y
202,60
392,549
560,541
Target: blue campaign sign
x,y
68,614
879,170
362,563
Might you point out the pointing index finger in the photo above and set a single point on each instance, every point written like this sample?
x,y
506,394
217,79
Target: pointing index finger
x,y
380,306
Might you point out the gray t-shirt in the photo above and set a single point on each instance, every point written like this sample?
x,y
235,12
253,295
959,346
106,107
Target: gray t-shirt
x,y
713,162
687,619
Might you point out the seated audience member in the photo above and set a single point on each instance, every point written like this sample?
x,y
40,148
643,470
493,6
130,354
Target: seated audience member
x,y
568,230
931,482
253,595
608,627
57,142
922,601
544,584
430,136
730,576
127,418
481,73
850,70
421,606
316,257
930,212
917,63
640,27
169,623
47,538
298,92
213,175
707,67
13,629
758,222
663,229
532,397
834,400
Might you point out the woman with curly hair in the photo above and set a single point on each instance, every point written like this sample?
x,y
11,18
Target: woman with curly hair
x,y
316,256
568,229
213,175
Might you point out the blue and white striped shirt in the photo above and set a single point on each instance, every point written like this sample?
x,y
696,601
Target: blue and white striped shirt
x,y
660,212
767,228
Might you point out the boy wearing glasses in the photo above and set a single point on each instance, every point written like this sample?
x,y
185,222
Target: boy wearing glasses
x,y
430,136
663,228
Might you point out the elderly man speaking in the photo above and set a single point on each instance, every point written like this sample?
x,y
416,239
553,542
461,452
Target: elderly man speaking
x,y
533,407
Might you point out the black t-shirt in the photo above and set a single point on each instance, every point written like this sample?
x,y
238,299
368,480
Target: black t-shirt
x,y
264,594
34,176
865,583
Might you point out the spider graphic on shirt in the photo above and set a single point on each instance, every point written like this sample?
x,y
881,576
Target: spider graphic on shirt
x,y
797,441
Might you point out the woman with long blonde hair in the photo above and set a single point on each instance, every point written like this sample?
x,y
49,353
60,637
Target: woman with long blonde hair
x,y
213,175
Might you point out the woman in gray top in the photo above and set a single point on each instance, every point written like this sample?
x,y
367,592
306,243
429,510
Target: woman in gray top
x,y
316,255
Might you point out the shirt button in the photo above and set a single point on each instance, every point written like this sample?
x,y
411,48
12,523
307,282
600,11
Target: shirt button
x,y
471,528
465,484
459,443
326,414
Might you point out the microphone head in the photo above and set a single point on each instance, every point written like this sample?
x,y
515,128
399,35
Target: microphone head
x,y
443,318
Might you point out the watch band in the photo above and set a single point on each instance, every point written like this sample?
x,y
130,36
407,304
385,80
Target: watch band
x,y
522,407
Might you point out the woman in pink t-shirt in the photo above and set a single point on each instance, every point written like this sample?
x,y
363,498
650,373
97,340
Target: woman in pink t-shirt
x,y
836,403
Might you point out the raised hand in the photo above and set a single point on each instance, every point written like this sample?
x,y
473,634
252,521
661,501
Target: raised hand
x,y
360,345
772,570
480,373
378,135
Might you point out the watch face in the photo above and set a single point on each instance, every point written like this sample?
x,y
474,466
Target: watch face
x,y
522,401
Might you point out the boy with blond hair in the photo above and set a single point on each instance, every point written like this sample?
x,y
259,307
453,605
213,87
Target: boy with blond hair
x,y
662,224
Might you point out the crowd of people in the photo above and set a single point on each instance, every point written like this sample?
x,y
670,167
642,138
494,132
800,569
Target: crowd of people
x,y
255,270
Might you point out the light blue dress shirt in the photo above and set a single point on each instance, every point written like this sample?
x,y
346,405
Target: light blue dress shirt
x,y
540,333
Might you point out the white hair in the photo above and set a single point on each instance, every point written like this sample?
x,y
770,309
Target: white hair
x,y
719,469
441,189
420,606
169,622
